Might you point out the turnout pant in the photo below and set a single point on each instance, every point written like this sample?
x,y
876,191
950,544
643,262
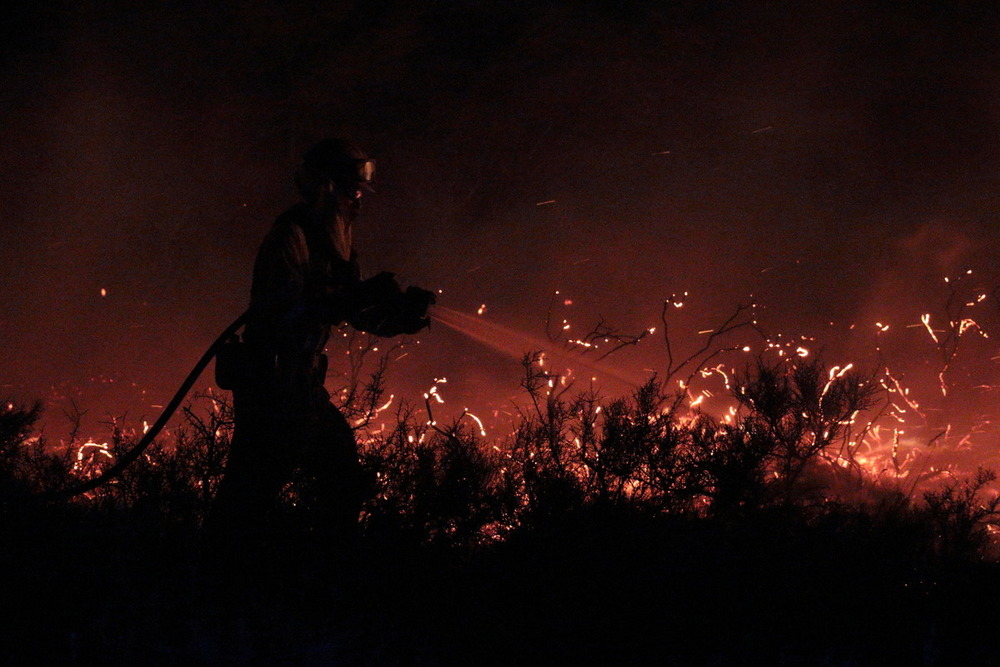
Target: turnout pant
x,y
281,427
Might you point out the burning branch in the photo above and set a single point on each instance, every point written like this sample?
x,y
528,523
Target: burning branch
x,y
955,309
738,320
364,399
606,334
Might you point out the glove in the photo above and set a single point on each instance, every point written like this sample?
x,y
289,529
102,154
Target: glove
x,y
382,308
413,312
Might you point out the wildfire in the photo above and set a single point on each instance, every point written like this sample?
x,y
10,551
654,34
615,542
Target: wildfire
x,y
900,439
891,442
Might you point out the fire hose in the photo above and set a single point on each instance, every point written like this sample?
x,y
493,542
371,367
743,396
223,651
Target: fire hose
x,y
126,459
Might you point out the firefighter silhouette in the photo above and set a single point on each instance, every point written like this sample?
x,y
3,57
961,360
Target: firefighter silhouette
x,y
305,281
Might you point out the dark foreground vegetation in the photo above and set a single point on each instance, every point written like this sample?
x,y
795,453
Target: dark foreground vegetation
x,y
627,532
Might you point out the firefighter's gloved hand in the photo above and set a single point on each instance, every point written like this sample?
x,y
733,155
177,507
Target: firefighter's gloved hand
x,y
388,311
413,311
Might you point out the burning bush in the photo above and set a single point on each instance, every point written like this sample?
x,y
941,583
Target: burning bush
x,y
596,523
787,445
569,450
445,488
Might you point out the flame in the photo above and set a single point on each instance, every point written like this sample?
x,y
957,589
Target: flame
x,y
88,451
479,422
925,319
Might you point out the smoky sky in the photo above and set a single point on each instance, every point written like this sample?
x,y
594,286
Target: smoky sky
x,y
834,160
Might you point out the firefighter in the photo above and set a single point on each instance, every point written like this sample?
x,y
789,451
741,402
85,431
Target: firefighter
x,y
305,281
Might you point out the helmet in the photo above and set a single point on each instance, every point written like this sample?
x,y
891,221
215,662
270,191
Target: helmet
x,y
340,161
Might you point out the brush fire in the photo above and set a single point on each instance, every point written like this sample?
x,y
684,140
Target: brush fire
x,y
855,429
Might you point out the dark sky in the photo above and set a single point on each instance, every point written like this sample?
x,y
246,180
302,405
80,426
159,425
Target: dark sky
x,y
835,160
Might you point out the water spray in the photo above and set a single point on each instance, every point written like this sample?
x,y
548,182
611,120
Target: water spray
x,y
515,344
